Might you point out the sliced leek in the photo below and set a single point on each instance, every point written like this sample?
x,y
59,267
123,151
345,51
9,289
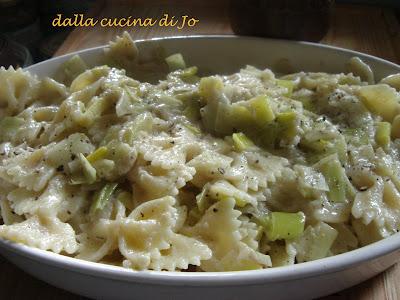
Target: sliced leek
x,y
102,197
98,154
382,135
241,142
284,225
288,84
175,62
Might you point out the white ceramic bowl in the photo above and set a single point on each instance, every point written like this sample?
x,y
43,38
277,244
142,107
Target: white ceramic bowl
x,y
303,281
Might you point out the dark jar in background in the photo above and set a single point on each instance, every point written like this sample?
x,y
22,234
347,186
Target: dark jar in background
x,y
289,19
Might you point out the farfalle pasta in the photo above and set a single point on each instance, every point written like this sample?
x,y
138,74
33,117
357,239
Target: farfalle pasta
x,y
197,173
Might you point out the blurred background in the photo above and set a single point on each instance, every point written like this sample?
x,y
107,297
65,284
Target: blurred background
x,y
27,36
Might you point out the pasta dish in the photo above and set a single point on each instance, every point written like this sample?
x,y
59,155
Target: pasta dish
x,y
197,173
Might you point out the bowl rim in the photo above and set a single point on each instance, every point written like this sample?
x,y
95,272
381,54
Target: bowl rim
x,y
304,270
253,277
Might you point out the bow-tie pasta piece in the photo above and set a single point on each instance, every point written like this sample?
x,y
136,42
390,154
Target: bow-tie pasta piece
x,y
221,230
58,199
27,168
149,239
43,232
251,171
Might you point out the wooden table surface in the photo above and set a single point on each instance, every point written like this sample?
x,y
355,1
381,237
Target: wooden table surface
x,y
367,29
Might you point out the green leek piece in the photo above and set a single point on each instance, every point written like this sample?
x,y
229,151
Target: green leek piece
x,y
241,117
333,172
126,199
286,117
241,142
381,100
102,197
239,202
340,148
320,145
335,177
189,72
287,122
175,62
210,87
9,127
315,242
260,232
223,119
396,127
88,171
190,101
382,135
192,111
284,225
98,154
288,84
260,221
323,148
195,130
210,91
269,135
261,110
283,127
188,96
188,75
